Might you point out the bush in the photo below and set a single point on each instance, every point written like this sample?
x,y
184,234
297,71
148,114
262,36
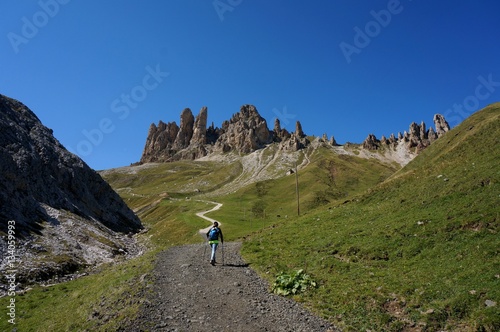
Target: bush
x,y
291,284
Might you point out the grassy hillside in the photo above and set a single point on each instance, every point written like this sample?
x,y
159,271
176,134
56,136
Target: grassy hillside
x,y
412,249
419,251
328,178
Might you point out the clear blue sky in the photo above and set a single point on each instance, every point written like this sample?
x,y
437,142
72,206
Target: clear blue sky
x,y
345,68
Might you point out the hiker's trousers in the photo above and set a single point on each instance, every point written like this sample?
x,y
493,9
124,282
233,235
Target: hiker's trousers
x,y
214,249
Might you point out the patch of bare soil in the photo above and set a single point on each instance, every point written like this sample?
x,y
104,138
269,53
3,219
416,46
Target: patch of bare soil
x,y
188,294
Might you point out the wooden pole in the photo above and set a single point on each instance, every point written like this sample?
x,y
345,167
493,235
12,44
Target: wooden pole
x,y
297,188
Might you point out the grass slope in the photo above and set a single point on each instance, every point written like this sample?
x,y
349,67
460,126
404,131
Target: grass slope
x,y
328,177
418,252
408,250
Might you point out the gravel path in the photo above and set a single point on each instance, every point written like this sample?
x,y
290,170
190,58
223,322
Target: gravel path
x,y
191,295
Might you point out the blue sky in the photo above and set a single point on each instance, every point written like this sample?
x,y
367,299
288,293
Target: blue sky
x,y
100,72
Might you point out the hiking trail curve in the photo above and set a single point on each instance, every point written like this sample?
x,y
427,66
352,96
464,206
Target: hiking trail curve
x,y
189,294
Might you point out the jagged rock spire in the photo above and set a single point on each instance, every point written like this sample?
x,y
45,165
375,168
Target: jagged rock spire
x,y
441,125
417,136
200,127
185,129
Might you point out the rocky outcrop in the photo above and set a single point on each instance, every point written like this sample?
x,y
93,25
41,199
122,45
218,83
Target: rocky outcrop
x,y
200,128
186,130
37,171
441,125
296,141
371,142
279,133
43,186
415,140
160,141
244,133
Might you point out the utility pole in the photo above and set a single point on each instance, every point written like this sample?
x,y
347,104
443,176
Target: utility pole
x,y
297,188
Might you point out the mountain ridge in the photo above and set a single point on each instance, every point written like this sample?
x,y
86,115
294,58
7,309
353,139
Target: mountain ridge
x,y
247,132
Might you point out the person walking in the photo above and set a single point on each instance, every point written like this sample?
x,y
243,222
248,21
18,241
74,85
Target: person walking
x,y
213,236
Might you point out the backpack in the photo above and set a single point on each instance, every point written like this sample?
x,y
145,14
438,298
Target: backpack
x,y
213,235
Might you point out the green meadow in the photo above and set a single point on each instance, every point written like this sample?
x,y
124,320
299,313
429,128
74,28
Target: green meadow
x,y
389,248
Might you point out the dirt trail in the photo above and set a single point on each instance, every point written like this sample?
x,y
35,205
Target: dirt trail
x,y
202,215
189,294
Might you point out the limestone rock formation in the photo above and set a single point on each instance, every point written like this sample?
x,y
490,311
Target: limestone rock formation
x,y
37,171
415,140
51,195
280,134
245,132
371,143
160,141
299,133
296,141
186,130
200,128
441,125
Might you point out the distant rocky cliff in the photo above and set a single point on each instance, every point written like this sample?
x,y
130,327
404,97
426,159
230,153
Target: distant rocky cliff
x,y
414,140
247,131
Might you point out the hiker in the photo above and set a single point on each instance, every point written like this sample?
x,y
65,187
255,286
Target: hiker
x,y
213,240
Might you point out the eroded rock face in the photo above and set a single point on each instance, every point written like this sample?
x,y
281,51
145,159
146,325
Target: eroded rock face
x,y
66,216
245,132
37,171
160,141
200,128
371,143
185,133
415,139
441,125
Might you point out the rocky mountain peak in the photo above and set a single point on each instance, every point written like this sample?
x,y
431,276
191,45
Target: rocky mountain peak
x,y
245,132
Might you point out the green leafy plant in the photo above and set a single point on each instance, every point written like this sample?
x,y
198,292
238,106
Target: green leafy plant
x,y
294,283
